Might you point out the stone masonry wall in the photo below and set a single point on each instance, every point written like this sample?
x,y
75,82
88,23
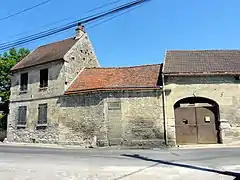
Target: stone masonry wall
x,y
30,133
84,119
55,83
79,56
224,90
60,75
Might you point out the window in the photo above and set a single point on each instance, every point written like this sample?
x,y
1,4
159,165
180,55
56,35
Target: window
x,y
114,105
237,78
24,82
43,78
42,114
22,115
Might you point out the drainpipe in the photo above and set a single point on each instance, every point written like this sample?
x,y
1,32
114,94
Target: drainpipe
x,y
164,110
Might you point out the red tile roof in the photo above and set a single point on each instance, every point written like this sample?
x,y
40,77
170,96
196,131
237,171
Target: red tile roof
x,y
208,62
124,78
47,53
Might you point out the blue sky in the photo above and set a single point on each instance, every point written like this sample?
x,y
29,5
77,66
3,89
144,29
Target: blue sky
x,y
139,37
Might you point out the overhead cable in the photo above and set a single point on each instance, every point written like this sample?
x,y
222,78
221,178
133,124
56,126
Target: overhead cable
x,y
25,10
73,24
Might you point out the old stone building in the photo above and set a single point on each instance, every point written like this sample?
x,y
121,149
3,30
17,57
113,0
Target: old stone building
x,y
60,95
202,96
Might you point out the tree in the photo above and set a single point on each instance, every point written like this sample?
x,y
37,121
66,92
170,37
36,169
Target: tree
x,y
7,61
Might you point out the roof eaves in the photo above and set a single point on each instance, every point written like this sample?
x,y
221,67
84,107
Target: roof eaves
x,y
112,89
201,73
35,65
15,66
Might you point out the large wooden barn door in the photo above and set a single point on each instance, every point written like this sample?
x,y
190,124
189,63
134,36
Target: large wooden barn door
x,y
186,129
206,124
195,125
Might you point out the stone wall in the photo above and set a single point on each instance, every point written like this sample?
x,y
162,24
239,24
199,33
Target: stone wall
x,y
55,83
224,90
85,119
79,56
31,133
60,75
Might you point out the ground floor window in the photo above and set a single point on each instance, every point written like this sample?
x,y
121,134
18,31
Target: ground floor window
x,y
22,115
42,114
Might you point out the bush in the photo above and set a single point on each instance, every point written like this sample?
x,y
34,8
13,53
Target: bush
x,y
3,135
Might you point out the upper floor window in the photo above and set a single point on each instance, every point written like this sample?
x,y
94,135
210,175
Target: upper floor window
x,y
22,115
24,82
43,78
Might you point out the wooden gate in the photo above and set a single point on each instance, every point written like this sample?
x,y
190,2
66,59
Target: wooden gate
x,y
196,125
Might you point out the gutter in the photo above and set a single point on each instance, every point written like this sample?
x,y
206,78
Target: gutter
x,y
111,89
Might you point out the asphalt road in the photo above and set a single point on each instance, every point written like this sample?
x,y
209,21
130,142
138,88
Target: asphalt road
x,y
30,163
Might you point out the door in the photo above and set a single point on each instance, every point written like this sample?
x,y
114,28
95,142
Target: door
x,y
196,125
206,125
186,129
114,123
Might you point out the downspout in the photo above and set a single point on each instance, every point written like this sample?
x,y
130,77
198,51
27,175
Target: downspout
x,y
164,104
164,111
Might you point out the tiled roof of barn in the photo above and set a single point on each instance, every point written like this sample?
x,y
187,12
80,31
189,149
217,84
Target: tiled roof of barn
x,y
47,53
202,62
124,78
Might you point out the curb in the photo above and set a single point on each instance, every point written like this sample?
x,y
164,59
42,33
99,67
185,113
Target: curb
x,y
181,147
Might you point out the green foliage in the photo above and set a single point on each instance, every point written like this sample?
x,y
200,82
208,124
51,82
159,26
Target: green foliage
x,y
7,61
3,121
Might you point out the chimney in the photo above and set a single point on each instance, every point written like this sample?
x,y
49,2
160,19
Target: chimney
x,y
79,31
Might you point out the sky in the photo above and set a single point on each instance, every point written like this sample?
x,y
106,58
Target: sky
x,y
141,36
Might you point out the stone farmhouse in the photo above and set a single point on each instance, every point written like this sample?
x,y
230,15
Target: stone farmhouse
x,y
60,95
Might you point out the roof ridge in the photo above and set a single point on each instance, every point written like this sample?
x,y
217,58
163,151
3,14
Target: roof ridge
x,y
124,67
54,42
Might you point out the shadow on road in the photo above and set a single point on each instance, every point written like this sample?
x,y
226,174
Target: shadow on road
x,y
134,172
228,173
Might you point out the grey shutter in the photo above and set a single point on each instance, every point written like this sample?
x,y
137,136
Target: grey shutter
x,y
22,115
42,114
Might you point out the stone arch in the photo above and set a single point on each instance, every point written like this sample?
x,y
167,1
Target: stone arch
x,y
197,121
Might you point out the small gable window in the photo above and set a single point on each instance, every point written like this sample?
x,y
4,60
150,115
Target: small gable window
x,y
43,78
24,82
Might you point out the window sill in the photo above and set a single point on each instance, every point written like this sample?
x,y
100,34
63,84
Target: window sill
x,y
23,92
41,125
19,126
43,88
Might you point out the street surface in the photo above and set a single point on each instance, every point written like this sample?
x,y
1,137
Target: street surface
x,y
30,163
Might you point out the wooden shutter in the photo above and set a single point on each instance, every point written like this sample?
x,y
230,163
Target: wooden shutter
x,y
22,115
42,114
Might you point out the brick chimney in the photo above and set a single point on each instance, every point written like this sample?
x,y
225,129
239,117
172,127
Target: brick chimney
x,y
79,31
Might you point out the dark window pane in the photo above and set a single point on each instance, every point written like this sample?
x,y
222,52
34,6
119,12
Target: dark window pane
x,y
43,78
24,82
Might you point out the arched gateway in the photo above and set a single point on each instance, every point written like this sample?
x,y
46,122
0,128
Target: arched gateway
x,y
197,121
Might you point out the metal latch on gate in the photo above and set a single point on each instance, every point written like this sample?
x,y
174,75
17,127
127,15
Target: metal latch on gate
x,y
207,119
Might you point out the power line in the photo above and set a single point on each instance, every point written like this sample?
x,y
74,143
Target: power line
x,y
103,6
65,19
25,10
114,17
68,26
74,23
